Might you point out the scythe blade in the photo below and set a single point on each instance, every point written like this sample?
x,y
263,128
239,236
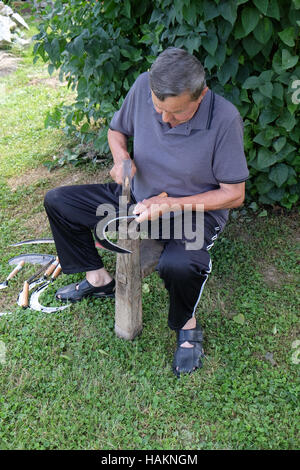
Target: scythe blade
x,y
35,304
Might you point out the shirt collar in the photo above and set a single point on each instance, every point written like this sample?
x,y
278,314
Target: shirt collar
x,y
198,121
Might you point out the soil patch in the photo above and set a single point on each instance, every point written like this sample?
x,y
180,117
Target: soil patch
x,y
52,82
64,176
274,278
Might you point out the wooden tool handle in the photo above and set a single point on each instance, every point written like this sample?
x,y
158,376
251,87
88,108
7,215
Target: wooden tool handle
x,y
163,194
16,270
56,272
25,295
51,268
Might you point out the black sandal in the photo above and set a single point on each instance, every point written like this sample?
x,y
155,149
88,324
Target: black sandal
x,y
77,291
187,360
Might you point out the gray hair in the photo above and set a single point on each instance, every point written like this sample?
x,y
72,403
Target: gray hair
x,y
174,72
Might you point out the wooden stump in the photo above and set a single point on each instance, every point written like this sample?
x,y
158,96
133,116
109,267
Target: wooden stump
x,y
130,270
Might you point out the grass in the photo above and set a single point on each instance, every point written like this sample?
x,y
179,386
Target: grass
x,y
67,382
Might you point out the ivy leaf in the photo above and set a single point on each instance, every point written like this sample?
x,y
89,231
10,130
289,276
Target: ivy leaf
x,y
278,91
279,144
210,10
228,70
273,10
286,120
82,86
210,43
279,174
262,5
209,62
252,46
265,158
288,36
220,55
252,83
263,184
267,89
268,115
250,18
276,194
51,69
263,30
127,8
239,32
228,11
288,60
77,46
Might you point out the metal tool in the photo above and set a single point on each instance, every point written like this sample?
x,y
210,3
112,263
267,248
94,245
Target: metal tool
x,y
35,304
49,270
32,258
102,239
23,298
20,265
38,241
34,241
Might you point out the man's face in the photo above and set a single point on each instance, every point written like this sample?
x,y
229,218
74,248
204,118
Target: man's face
x,y
176,109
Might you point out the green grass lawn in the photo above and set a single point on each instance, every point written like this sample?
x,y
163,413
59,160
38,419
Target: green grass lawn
x,y
67,382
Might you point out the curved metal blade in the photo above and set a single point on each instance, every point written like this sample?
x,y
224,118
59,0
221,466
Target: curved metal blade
x,y
34,303
32,258
34,241
108,244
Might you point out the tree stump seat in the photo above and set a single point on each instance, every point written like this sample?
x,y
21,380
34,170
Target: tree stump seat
x,y
130,270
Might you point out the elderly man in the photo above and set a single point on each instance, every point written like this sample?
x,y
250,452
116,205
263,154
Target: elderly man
x,y
187,142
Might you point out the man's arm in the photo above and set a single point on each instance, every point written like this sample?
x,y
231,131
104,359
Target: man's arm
x,y
228,196
118,146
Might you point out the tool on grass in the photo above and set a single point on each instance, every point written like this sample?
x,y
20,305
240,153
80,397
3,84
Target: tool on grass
x,y
34,241
52,267
32,258
102,238
34,302
35,282
38,241
19,266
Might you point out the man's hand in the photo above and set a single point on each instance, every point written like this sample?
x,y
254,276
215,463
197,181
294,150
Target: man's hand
x,y
152,208
117,171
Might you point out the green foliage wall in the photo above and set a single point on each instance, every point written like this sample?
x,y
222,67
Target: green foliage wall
x,y
248,47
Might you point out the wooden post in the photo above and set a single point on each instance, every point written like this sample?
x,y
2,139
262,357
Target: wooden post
x,y
128,313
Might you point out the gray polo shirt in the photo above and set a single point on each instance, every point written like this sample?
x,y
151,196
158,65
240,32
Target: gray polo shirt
x,y
187,159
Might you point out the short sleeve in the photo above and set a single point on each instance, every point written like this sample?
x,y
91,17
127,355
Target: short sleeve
x,y
229,164
123,120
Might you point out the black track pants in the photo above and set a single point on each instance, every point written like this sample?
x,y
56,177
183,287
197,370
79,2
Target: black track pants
x,y
72,216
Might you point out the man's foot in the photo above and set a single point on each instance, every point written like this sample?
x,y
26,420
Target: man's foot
x,y
77,291
189,352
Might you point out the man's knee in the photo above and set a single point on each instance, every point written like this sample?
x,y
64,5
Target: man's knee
x,y
52,197
183,267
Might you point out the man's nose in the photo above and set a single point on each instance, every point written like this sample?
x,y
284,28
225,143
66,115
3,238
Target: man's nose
x,y
166,117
